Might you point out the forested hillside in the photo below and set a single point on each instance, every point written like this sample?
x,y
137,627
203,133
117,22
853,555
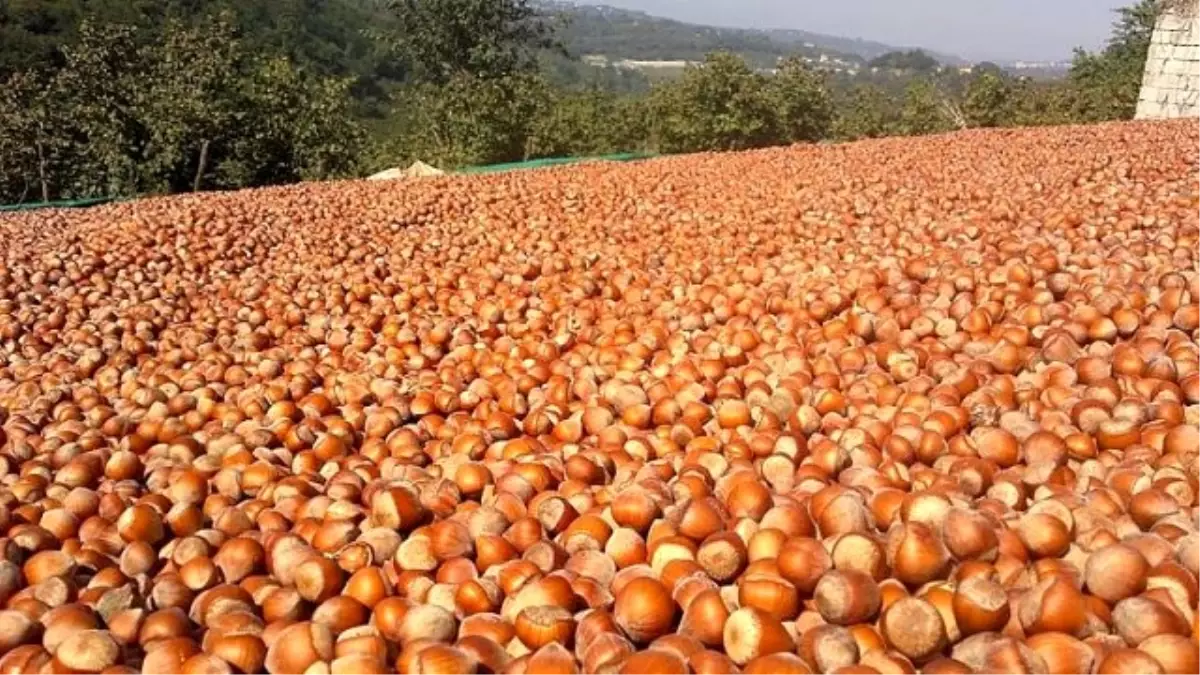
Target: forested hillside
x,y
627,34
623,34
330,37
121,97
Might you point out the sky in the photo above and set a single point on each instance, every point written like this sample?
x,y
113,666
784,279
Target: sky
x,y
1032,30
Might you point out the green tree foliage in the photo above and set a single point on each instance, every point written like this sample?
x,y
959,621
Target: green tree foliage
x,y
1107,83
98,89
294,126
802,102
477,94
445,39
125,115
589,122
989,101
913,60
868,112
186,102
988,68
1039,103
33,145
32,32
925,110
325,36
720,104
467,121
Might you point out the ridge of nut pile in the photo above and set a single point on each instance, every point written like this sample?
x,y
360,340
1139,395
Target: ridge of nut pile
x,y
904,405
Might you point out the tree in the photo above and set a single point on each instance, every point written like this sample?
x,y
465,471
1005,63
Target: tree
x,y
468,121
988,101
987,68
187,102
445,39
126,115
1107,83
326,38
719,105
924,110
99,86
33,32
867,113
1039,103
32,142
74,131
803,106
590,122
912,60
292,126
475,92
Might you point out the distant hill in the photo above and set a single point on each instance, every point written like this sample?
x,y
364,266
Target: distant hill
x,y
867,49
623,34
620,34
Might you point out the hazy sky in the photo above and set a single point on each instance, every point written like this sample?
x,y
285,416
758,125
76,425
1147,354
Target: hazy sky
x,y
973,29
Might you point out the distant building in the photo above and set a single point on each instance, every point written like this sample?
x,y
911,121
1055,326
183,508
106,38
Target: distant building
x,y
636,64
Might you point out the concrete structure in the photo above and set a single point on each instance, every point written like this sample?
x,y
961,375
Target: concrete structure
x,y
1171,82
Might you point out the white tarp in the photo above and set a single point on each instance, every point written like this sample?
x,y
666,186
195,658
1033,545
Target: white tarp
x,y
416,170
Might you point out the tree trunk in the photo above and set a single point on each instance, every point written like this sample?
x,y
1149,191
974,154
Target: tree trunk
x,y
200,166
42,171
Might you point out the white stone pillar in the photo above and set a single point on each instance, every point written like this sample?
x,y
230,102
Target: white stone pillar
x,y
1171,81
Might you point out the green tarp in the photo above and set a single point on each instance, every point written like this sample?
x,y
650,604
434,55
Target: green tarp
x,y
71,204
491,168
555,161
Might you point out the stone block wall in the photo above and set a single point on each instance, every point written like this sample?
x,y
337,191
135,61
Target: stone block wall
x,y
1171,82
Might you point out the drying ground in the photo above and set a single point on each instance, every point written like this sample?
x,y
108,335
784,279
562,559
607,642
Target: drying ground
x,y
896,405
